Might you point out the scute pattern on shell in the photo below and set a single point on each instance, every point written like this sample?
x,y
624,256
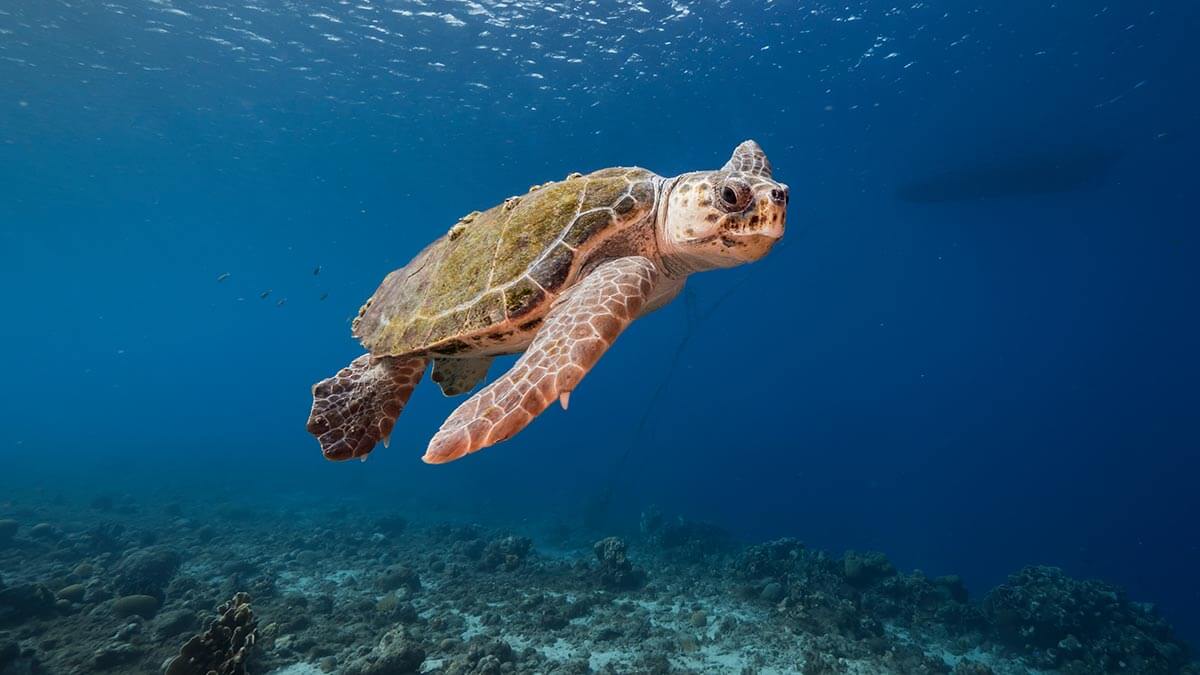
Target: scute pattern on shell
x,y
497,270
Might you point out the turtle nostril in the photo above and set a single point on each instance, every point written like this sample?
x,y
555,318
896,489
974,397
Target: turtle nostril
x,y
778,196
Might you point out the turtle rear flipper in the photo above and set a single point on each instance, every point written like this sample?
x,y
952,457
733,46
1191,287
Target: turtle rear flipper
x,y
356,408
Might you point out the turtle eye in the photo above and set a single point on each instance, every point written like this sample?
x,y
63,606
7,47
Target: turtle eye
x,y
733,195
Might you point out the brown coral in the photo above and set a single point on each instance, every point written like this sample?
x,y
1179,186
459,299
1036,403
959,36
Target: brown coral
x,y
225,647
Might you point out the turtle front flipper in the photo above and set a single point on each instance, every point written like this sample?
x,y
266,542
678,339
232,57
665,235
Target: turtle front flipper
x,y
355,409
580,327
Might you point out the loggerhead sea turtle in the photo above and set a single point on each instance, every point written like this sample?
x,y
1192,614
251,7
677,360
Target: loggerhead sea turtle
x,y
557,274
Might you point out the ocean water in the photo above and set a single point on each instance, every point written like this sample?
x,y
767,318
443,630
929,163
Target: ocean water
x,y
974,350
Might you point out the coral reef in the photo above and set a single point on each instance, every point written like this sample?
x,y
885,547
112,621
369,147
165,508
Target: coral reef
x,y
225,647
508,552
616,571
345,591
395,654
1075,626
683,539
145,572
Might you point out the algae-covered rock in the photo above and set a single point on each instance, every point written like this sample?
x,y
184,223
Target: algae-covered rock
x,y
616,571
484,656
146,572
772,592
72,593
24,602
864,569
1055,621
773,560
398,576
174,622
44,531
682,539
506,552
145,606
396,654
114,654
15,661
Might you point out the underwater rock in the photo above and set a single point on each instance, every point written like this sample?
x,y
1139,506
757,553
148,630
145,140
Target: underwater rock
x,y
72,593
174,622
396,654
864,569
772,592
9,651
398,576
44,532
27,601
396,609
506,552
15,661
1055,621
770,560
145,606
483,657
681,539
114,654
969,667
616,571
225,647
8,530
146,572
104,538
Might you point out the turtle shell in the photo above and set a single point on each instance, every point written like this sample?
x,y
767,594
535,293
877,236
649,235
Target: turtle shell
x,y
496,272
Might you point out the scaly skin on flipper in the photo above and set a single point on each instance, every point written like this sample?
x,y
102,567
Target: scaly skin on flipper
x,y
577,332
356,408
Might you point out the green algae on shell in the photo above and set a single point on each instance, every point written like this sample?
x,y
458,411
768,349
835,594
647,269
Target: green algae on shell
x,y
501,267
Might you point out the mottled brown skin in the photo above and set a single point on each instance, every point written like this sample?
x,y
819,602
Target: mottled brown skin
x,y
557,273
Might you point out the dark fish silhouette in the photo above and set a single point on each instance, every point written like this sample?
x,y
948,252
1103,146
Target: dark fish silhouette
x,y
1043,173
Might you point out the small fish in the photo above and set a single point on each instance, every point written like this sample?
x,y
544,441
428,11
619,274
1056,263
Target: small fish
x,y
324,295
264,294
281,303
317,270
223,276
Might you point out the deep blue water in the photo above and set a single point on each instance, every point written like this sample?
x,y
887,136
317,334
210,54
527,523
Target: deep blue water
x,y
967,385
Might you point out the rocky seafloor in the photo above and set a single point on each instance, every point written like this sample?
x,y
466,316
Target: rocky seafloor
x,y
115,586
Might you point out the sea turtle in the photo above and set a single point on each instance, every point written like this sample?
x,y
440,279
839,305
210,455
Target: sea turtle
x,y
556,273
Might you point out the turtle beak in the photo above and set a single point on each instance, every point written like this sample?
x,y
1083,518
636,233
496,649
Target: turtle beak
x,y
772,212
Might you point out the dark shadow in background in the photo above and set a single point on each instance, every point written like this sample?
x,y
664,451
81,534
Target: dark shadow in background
x,y
997,177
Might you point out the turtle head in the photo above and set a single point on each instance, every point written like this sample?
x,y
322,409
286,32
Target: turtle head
x,y
726,217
